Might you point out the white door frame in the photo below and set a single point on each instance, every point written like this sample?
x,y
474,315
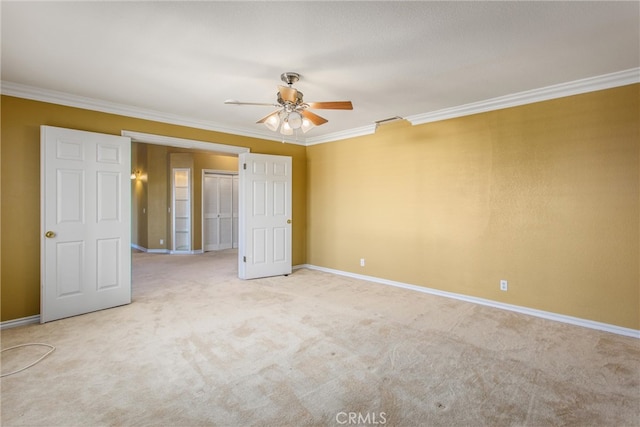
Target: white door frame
x,y
149,138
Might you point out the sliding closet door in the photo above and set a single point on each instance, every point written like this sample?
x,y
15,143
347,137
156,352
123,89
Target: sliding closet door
x,y
235,210
218,211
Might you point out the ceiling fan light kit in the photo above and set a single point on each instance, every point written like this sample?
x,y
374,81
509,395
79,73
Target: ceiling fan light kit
x,y
293,112
294,119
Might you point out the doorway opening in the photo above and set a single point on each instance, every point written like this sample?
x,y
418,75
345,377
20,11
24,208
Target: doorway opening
x,y
167,219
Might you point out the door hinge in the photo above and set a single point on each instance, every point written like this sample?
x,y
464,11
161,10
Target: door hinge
x,y
244,259
244,166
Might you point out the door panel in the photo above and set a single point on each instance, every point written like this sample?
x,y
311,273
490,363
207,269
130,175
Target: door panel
x,y
279,244
108,195
108,267
265,216
70,278
85,202
70,196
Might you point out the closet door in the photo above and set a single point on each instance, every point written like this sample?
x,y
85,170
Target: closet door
x,y
225,214
234,213
218,212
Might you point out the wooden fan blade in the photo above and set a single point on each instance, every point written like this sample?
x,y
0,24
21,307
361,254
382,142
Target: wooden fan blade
x,y
333,105
264,119
288,93
313,118
234,102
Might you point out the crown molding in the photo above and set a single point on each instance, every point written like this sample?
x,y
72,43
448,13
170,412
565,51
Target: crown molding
x,y
61,98
591,84
337,136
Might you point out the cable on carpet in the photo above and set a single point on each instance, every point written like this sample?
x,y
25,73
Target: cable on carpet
x,y
30,365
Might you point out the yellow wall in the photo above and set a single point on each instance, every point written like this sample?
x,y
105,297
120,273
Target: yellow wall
x,y
157,197
20,179
544,195
139,199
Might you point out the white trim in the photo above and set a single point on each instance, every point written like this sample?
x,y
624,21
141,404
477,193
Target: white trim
x,y
219,172
191,144
337,136
157,251
633,333
20,322
193,252
591,84
166,251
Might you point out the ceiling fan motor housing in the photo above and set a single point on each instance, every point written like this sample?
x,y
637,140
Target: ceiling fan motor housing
x,y
290,77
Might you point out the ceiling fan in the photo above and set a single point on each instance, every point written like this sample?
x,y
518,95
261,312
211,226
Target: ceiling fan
x,y
293,113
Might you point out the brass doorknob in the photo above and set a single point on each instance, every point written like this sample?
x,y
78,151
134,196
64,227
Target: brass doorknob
x,y
49,234
288,221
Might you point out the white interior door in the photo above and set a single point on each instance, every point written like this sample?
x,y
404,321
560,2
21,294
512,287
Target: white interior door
x,y
85,222
217,211
265,216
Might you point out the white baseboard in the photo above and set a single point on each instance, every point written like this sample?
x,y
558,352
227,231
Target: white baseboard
x,y
195,252
138,247
166,251
149,251
495,304
20,322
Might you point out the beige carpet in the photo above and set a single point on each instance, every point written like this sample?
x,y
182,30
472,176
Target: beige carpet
x,y
200,347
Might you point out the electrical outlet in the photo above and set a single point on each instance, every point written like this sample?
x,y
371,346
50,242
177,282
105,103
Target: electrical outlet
x,y
361,262
504,285
162,241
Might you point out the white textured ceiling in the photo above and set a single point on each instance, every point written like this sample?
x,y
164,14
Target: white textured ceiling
x,y
390,58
